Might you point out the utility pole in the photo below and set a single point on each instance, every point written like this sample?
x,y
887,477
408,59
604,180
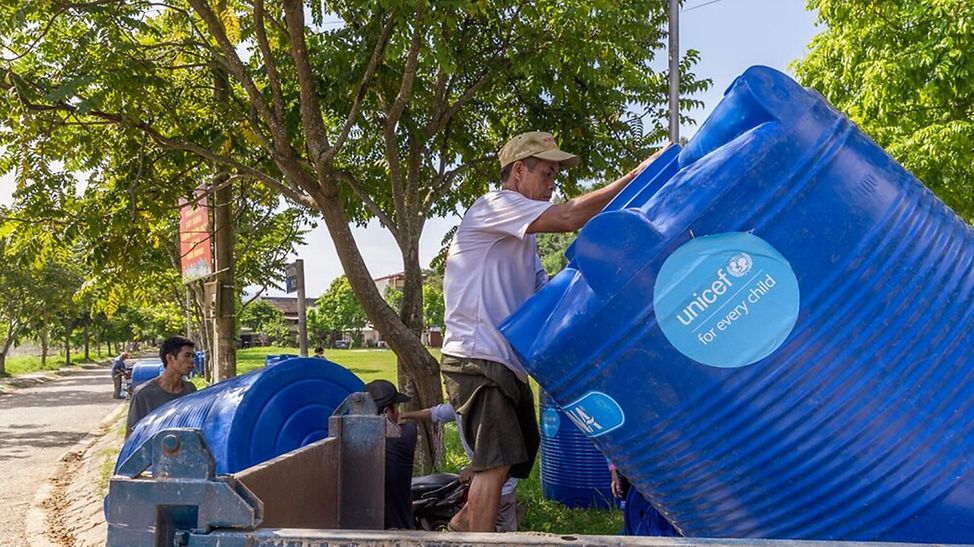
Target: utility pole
x,y
294,281
674,71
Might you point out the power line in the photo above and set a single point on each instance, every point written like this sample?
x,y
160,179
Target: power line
x,y
691,8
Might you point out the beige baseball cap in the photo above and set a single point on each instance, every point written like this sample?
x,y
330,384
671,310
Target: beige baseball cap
x,y
535,144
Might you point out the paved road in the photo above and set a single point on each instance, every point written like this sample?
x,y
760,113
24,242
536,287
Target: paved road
x,y
37,426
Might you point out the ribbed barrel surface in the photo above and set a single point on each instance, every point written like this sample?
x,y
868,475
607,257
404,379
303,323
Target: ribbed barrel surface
x,y
573,471
256,416
817,381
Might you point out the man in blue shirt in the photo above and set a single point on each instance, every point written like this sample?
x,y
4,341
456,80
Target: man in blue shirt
x,y
118,371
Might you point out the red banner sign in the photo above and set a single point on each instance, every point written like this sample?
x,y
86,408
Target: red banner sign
x,y
194,238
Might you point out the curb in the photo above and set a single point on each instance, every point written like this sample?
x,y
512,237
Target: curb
x,y
12,384
35,523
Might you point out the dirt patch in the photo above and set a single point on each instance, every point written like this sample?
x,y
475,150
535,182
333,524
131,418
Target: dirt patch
x,y
74,507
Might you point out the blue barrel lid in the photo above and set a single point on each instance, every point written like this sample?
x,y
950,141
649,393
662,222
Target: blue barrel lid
x,y
256,416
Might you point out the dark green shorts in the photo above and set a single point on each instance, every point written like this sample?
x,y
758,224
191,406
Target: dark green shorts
x,y
496,412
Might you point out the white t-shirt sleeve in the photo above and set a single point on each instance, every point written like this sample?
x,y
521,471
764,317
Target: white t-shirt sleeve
x,y
442,413
506,212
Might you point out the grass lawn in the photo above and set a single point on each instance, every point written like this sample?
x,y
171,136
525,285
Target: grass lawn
x,y
541,516
32,363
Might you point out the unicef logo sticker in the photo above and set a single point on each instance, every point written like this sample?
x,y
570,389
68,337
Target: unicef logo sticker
x,y
740,265
726,300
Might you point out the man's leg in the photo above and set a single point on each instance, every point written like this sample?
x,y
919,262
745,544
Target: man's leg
x,y
479,514
507,513
117,379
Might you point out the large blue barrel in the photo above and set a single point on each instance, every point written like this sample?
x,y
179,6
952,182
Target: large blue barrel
x,y
275,359
573,471
143,371
256,416
774,341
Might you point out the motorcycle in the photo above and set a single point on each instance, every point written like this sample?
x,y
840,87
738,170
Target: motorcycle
x,y
127,382
436,498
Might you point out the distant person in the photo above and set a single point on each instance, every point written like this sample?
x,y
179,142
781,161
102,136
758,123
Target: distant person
x,y
319,352
399,456
619,483
176,354
118,372
507,519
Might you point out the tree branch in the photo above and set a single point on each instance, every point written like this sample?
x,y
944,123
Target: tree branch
x,y
409,72
239,71
436,192
370,204
265,51
377,53
314,126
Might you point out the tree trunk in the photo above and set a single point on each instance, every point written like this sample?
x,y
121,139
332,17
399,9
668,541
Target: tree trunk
x,y
87,342
415,361
6,347
44,347
411,314
202,314
224,343
67,345
224,346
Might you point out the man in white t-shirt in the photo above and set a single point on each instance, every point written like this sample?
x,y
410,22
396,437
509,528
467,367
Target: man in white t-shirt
x,y
491,269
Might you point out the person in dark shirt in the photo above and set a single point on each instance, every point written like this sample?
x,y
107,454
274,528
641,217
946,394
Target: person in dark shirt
x,y
177,354
118,371
399,456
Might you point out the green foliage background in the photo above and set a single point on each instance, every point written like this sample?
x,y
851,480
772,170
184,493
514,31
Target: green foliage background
x,y
904,72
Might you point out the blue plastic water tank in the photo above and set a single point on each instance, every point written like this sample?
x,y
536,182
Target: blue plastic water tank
x,y
770,335
275,359
143,371
640,518
256,416
199,363
573,471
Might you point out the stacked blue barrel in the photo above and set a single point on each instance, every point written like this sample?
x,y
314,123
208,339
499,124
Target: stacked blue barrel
x,y
573,471
784,318
256,416
199,363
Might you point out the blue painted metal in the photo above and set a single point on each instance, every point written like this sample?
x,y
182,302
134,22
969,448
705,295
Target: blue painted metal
x,y
143,371
256,416
859,425
573,472
344,475
188,496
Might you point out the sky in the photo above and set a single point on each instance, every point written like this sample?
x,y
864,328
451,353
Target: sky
x,y
730,35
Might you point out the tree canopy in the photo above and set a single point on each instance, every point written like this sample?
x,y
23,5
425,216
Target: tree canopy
x,y
904,72
389,110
